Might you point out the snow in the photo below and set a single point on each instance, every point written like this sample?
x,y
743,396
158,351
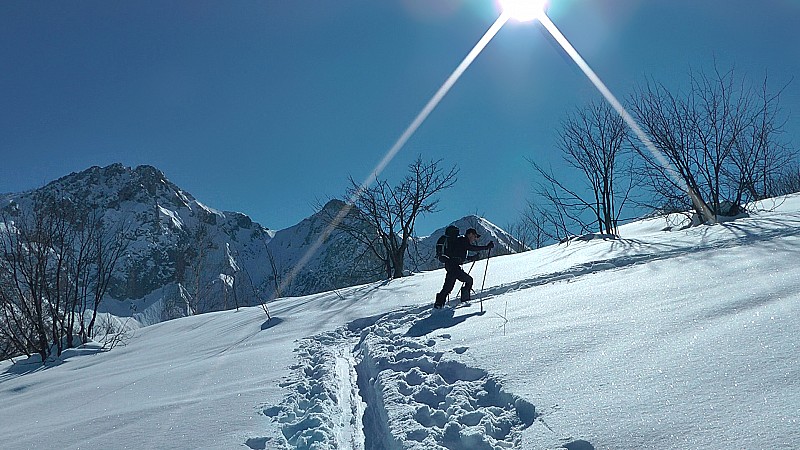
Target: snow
x,y
661,339
174,218
209,210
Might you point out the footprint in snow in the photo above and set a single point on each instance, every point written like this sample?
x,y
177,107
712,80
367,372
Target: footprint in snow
x,y
430,401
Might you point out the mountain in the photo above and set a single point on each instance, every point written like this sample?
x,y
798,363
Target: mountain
x,y
177,247
183,257
338,262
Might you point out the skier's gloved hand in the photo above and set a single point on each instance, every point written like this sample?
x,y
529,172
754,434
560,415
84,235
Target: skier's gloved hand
x,y
490,245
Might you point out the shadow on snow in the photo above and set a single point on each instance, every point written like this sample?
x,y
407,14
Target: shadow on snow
x,y
437,321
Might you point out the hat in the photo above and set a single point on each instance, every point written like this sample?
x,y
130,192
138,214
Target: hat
x,y
473,231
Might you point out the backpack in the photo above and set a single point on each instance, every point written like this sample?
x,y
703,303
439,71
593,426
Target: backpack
x,y
442,244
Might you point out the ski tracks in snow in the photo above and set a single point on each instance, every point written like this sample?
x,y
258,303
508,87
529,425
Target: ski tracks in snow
x,y
323,409
373,385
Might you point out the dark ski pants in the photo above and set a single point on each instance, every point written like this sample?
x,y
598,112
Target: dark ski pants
x,y
454,272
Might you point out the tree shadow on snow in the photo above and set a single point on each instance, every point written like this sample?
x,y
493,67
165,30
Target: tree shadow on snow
x,y
24,366
271,322
580,444
438,320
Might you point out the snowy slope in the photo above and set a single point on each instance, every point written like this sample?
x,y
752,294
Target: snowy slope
x,y
663,339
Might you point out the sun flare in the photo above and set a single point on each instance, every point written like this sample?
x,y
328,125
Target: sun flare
x,y
523,10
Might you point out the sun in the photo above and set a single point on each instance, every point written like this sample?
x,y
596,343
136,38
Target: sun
x,y
523,10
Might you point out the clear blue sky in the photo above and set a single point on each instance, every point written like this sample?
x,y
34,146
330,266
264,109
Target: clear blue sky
x,y
265,107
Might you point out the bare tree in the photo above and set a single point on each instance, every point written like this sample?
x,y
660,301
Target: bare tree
x,y
558,219
719,137
258,294
276,272
760,158
25,258
592,140
56,262
384,216
228,279
85,254
666,121
531,229
196,278
109,246
788,181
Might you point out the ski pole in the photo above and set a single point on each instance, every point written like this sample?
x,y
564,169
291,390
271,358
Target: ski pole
x,y
486,269
468,272
471,266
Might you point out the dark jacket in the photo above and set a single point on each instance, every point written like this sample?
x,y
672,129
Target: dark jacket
x,y
457,249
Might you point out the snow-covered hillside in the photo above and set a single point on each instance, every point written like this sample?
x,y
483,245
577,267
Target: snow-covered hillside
x,y
662,339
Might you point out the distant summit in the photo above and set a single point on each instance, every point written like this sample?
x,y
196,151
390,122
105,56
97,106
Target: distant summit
x,y
111,185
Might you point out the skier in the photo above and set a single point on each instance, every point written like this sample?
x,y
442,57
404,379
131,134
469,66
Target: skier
x,y
454,256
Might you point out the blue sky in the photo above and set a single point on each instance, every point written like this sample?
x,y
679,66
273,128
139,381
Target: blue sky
x,y
265,107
